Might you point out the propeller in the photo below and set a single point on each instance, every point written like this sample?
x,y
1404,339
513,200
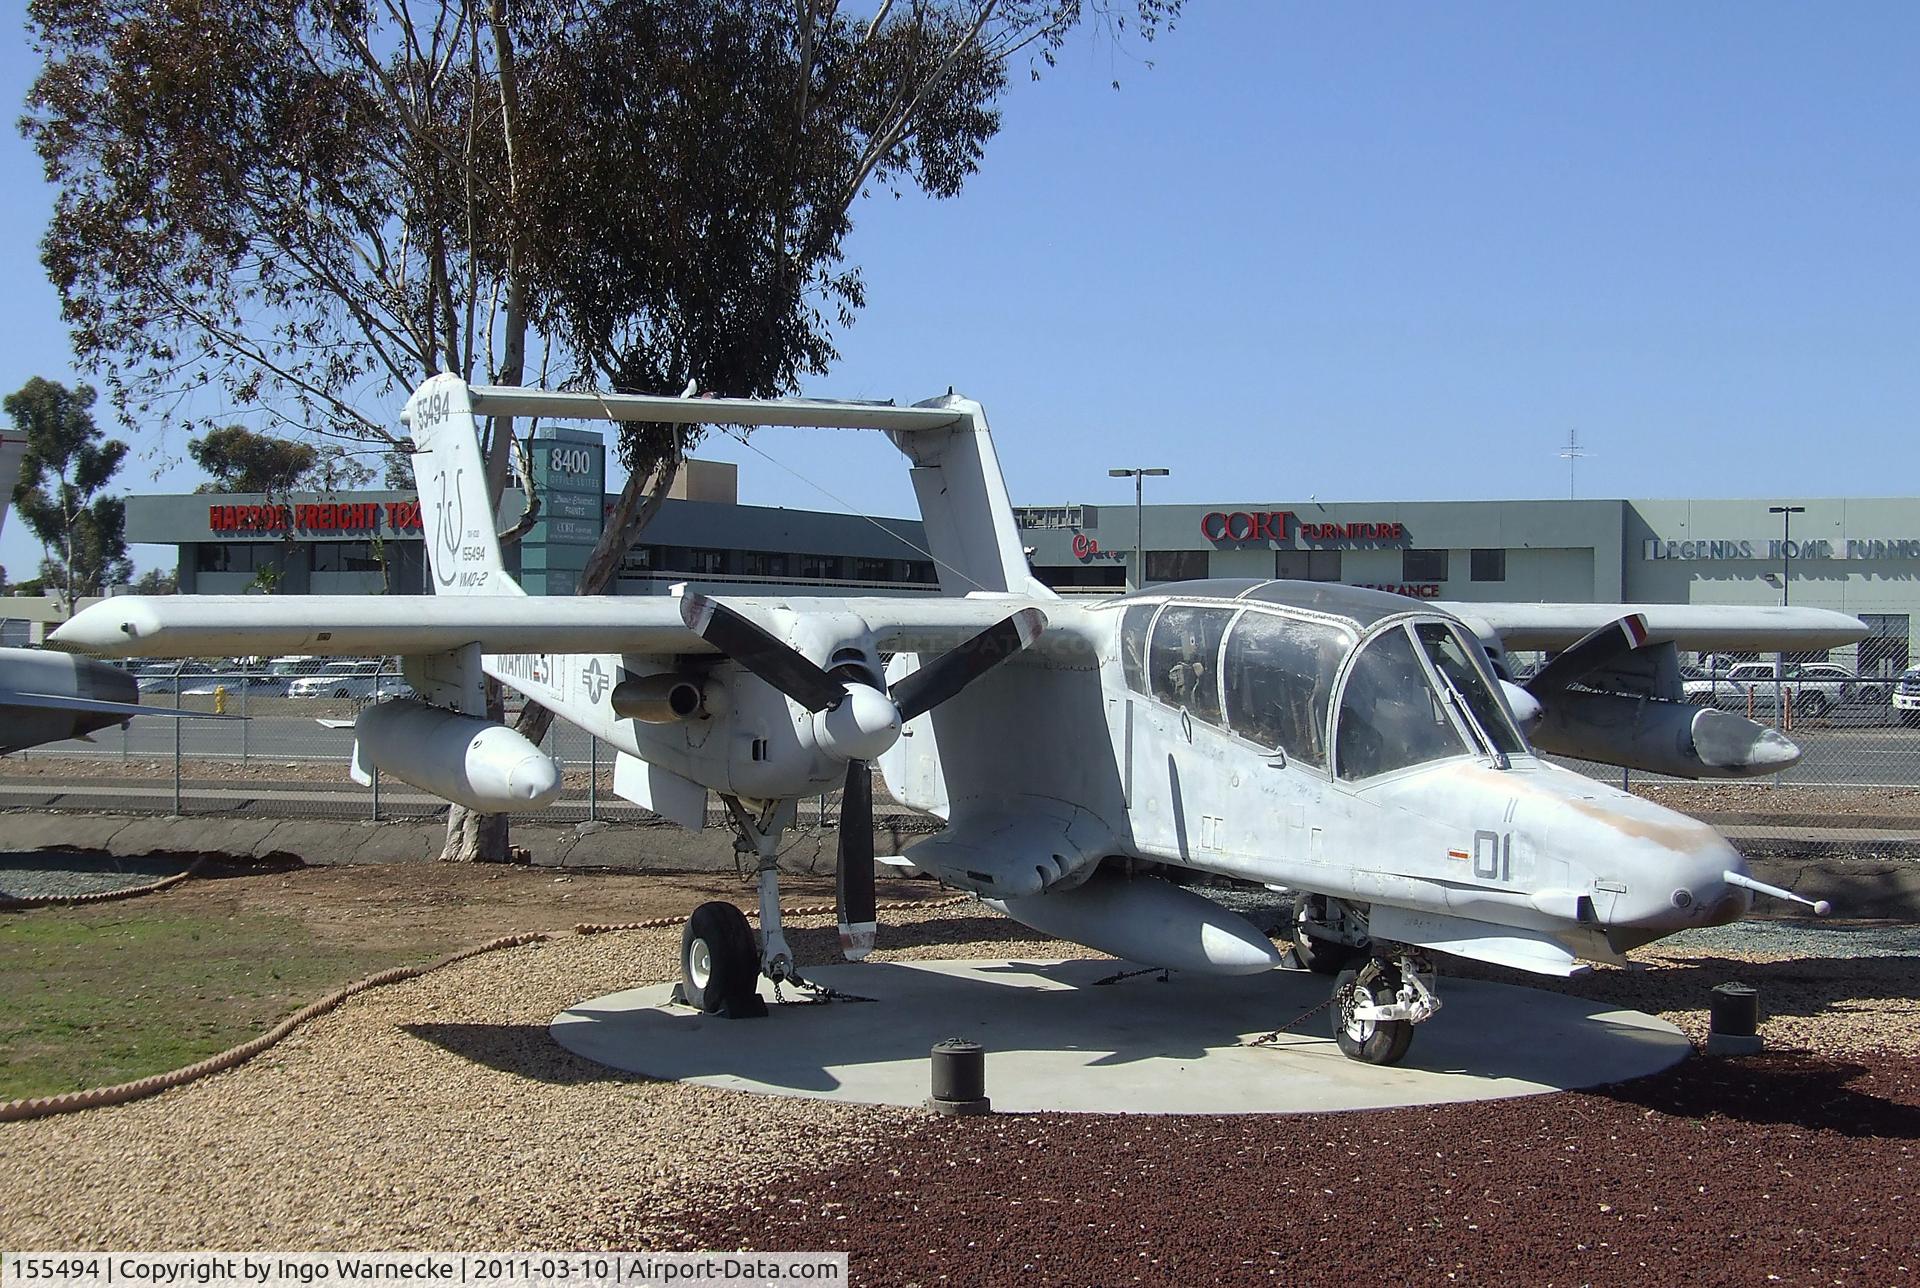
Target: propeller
x,y
1589,653
857,721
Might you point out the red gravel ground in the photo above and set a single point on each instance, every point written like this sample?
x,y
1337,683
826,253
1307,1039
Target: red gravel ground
x,y
1782,1168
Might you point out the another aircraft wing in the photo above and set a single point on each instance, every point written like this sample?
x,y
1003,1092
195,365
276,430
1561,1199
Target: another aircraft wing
x,y
369,625
1551,627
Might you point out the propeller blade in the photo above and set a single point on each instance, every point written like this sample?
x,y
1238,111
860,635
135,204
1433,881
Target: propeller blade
x,y
1589,653
853,870
964,663
771,659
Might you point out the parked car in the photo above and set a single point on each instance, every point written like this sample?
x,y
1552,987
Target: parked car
x,y
233,682
1906,697
360,681
1809,688
166,677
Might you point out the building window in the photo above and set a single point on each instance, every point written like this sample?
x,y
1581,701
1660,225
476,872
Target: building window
x,y
1176,565
344,556
820,567
1884,651
873,570
641,559
921,571
1488,565
239,556
1049,516
708,563
1306,565
1423,565
764,563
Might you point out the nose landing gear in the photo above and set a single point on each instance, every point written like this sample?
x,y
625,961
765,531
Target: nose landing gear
x,y
1376,1007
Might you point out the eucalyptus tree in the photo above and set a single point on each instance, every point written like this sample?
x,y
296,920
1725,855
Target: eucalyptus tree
x,y
300,208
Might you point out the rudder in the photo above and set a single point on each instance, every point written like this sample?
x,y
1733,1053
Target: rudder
x,y
463,547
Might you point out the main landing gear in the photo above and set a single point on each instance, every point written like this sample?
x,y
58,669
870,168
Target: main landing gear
x,y
1380,990
720,964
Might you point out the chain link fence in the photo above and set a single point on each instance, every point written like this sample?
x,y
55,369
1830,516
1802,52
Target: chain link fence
x,y
1856,790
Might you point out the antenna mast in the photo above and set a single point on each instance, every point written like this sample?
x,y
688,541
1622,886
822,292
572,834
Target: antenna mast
x,y
1571,454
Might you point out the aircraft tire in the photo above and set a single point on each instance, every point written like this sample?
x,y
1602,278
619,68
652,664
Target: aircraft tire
x,y
1369,1041
719,961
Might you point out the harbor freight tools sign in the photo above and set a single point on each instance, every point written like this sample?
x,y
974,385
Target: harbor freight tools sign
x,y
484,1269
317,516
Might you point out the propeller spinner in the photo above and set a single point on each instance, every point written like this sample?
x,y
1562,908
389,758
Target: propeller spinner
x,y
857,721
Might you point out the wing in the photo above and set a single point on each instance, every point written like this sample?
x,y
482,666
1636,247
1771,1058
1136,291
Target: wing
x,y
372,625
1523,627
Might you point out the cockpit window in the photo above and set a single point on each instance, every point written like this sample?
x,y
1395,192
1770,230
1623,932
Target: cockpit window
x,y
1279,682
1183,661
1391,715
1133,645
1448,652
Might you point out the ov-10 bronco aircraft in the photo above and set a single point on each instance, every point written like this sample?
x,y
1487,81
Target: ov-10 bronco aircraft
x,y
1360,749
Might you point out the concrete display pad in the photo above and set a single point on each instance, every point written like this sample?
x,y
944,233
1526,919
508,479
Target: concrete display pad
x,y
1055,1042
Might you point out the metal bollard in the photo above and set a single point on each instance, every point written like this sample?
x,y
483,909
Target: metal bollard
x,y
1733,1025
959,1079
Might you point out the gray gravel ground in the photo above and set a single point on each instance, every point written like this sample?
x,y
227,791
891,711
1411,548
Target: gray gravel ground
x,y
439,1113
43,875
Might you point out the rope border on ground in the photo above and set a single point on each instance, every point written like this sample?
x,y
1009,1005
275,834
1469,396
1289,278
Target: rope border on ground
x,y
100,1097
23,903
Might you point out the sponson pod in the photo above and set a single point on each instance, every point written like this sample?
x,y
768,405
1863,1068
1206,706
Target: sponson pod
x,y
473,762
1150,921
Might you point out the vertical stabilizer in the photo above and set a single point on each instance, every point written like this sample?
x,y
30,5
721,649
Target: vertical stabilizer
x,y
964,506
463,546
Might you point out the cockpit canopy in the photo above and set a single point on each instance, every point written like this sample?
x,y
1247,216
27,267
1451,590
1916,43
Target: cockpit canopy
x,y
1366,693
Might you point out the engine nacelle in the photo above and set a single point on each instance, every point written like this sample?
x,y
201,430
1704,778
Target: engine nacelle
x,y
1660,737
662,699
57,676
470,761
1147,920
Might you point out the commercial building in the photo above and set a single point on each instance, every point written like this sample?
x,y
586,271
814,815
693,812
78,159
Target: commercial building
x,y
1861,556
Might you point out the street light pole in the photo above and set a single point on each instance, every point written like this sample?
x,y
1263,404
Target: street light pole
x,y
1139,477
1786,513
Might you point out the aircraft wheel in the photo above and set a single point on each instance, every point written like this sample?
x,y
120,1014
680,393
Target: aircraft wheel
x,y
719,962
1371,1041
1321,956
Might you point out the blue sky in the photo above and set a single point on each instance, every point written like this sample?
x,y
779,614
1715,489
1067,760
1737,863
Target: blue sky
x,y
1374,253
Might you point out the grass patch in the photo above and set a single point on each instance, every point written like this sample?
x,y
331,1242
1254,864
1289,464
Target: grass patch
x,y
95,996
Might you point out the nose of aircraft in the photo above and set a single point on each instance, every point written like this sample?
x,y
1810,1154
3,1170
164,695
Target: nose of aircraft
x,y
1654,870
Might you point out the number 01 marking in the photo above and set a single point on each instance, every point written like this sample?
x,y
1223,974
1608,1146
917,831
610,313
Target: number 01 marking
x,y
1493,856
